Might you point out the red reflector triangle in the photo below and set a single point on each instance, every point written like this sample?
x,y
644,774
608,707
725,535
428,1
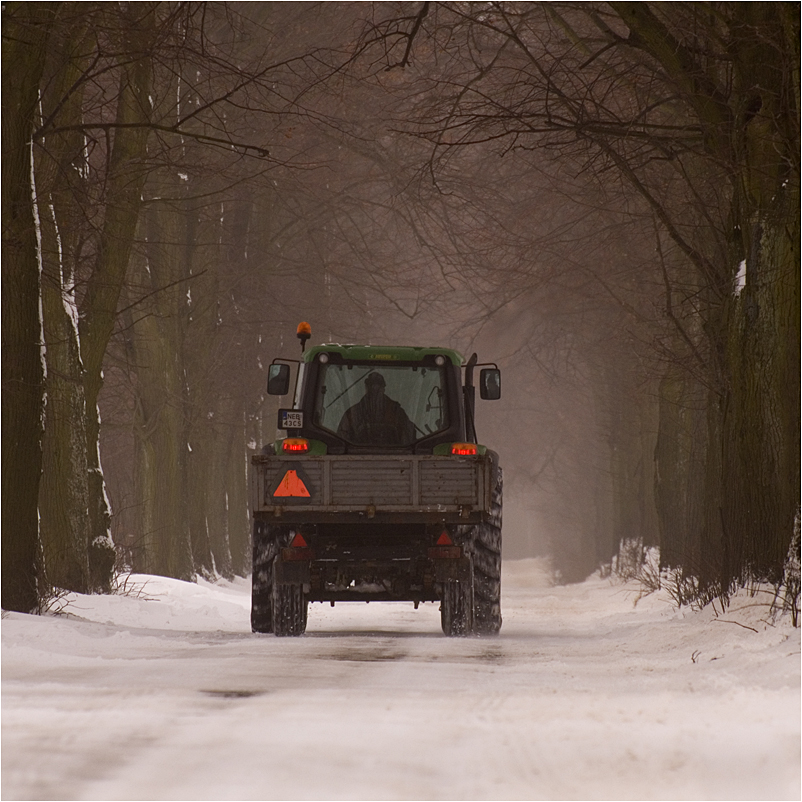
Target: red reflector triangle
x,y
298,541
444,539
291,485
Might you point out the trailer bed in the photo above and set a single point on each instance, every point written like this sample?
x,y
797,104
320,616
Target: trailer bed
x,y
362,487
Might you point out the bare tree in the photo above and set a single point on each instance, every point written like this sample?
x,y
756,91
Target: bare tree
x,y
26,28
693,108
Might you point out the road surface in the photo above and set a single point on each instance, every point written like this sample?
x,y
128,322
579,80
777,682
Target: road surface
x,y
165,694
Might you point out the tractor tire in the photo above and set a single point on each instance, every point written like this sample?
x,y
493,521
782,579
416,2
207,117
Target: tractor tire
x,y
456,607
265,549
487,569
289,609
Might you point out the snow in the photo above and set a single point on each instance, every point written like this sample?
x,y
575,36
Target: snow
x,y
37,223
740,278
164,693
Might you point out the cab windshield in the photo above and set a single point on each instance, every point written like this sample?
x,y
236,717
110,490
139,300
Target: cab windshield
x,y
381,406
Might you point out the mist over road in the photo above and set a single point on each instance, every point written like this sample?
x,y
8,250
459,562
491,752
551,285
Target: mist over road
x,y
583,695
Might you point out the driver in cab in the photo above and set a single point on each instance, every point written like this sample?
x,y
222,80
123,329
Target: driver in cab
x,y
376,419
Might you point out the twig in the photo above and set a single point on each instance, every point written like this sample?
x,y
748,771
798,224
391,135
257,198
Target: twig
x,y
723,621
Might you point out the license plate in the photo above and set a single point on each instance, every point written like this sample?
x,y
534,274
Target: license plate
x,y
290,419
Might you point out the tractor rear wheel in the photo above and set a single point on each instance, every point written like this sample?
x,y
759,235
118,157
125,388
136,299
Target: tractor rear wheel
x,y
456,607
289,609
265,549
487,569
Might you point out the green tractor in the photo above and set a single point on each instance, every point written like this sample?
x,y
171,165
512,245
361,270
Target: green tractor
x,y
379,489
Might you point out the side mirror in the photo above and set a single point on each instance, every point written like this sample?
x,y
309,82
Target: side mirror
x,y
490,384
278,379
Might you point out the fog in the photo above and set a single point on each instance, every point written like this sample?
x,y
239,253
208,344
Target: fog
x,y
359,231
533,184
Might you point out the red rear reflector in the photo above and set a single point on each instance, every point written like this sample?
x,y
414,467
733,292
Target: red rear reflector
x,y
444,539
444,552
295,444
298,551
464,448
291,485
297,555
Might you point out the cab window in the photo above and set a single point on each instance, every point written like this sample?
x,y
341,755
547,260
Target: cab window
x,y
382,406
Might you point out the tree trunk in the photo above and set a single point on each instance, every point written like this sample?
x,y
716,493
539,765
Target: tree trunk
x,y
632,433
64,492
760,411
217,510
201,368
159,418
239,525
237,231
680,459
127,173
25,34
198,463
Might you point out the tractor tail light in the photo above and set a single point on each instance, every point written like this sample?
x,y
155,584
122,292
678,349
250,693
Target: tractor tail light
x,y
464,449
295,445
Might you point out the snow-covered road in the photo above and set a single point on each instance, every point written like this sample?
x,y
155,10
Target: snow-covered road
x,y
583,695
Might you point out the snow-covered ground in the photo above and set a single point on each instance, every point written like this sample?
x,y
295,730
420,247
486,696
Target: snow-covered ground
x,y
584,695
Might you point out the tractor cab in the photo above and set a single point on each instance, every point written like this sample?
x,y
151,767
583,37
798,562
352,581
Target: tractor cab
x,y
379,399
